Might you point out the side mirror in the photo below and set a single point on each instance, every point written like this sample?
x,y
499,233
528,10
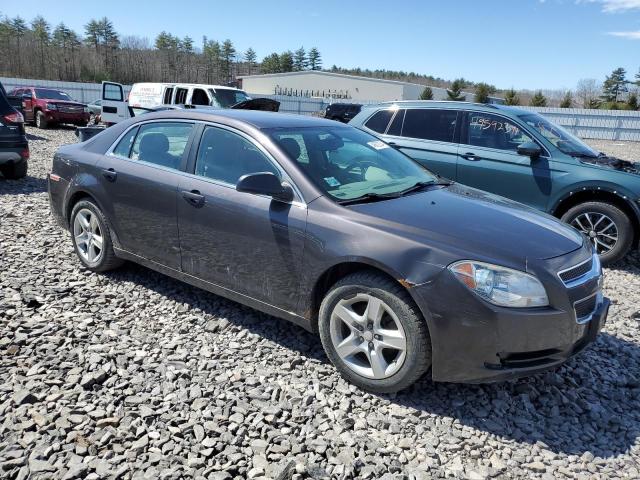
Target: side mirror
x,y
265,183
529,149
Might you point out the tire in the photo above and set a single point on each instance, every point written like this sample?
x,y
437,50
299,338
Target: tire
x,y
15,171
403,367
87,251
41,120
600,214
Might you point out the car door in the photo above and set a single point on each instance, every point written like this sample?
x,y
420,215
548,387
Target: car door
x,y
428,135
27,104
114,105
139,179
248,243
488,160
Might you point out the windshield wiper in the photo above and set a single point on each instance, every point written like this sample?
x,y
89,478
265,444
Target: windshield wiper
x,y
368,198
420,185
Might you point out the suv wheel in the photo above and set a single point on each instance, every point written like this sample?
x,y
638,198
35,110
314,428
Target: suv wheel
x,y
91,237
15,171
373,333
41,120
608,227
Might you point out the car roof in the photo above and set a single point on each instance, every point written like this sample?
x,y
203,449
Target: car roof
x,y
257,119
446,104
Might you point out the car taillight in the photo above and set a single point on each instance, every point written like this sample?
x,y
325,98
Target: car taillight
x,y
14,117
25,153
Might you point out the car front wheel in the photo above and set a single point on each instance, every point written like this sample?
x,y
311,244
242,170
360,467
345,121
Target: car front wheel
x,y
373,333
91,237
41,120
608,227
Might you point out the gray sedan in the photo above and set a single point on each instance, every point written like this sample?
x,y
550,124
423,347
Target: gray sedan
x,y
399,272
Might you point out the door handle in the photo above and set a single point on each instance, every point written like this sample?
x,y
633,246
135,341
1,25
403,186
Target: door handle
x,y
470,156
194,197
110,174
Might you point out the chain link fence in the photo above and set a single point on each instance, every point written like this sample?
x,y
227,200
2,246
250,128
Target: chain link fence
x,y
619,125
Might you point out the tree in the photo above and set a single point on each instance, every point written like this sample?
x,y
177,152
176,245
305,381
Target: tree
x,y
315,62
455,91
427,94
614,85
538,100
511,97
41,32
588,92
482,93
567,100
300,61
632,102
286,61
271,64
250,59
228,54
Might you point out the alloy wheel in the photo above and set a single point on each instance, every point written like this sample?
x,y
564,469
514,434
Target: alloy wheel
x,y
88,235
600,228
368,336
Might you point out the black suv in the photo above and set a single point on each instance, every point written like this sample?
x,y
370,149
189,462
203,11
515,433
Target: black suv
x,y
342,112
14,148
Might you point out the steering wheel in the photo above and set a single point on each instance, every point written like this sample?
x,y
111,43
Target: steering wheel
x,y
362,163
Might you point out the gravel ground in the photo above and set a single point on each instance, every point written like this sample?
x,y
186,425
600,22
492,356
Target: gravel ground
x,y
134,375
625,150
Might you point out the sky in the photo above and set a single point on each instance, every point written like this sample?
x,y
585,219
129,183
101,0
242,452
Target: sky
x,y
526,44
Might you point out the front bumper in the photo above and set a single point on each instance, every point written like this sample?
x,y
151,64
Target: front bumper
x,y
64,117
474,341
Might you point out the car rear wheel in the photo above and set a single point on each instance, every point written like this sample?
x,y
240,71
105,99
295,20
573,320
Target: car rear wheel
x,y
92,238
373,333
14,171
41,120
608,227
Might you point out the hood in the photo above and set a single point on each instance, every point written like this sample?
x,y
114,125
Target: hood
x,y
264,104
476,222
63,102
613,163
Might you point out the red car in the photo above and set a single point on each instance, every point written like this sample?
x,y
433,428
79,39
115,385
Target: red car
x,y
46,106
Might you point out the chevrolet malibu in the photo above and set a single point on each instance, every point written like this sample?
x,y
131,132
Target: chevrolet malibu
x,y
399,272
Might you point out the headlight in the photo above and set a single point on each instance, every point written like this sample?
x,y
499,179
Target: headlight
x,y
52,106
500,285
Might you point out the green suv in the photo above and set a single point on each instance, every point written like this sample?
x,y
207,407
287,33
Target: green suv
x,y
520,155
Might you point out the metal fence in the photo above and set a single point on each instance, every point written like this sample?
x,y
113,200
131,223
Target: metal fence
x,y
598,124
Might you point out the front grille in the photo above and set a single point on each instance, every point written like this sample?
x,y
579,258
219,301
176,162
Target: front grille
x,y
584,308
70,109
576,272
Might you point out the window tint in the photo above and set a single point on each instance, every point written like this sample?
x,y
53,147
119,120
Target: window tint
x,y
430,124
113,92
124,146
199,97
181,96
396,125
379,121
227,156
167,95
493,131
161,143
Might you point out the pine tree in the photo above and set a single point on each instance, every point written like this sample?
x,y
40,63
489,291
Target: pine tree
x,y
427,94
455,91
315,61
286,61
41,32
567,101
300,61
271,64
482,93
614,85
632,102
228,54
250,59
538,100
511,97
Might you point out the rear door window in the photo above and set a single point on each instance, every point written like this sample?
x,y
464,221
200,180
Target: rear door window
x,y
396,124
379,121
430,124
161,143
181,96
123,149
168,93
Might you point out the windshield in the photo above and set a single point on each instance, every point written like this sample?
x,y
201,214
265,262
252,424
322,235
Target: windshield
x,y
52,94
227,98
565,141
347,163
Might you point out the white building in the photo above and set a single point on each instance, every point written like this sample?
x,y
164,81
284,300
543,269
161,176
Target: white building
x,y
313,83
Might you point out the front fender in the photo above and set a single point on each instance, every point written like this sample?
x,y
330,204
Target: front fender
x,y
621,192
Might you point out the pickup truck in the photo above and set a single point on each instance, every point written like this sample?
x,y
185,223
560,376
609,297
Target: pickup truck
x,y
47,106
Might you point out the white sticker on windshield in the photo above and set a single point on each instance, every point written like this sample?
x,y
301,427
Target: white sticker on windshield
x,y
378,145
332,181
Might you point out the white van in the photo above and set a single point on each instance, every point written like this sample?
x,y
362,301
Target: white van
x,y
149,96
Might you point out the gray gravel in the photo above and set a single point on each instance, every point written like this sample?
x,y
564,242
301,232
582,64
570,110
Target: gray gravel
x,y
624,150
134,375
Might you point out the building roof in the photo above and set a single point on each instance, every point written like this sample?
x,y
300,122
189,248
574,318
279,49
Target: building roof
x,y
331,74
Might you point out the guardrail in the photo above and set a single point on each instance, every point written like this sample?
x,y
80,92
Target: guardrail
x,y
620,125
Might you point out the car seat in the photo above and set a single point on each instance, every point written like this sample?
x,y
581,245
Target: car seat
x,y
154,148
